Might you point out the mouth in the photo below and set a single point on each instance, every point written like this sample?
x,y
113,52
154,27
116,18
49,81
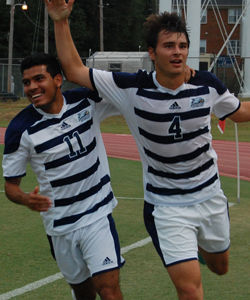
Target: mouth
x,y
33,97
176,61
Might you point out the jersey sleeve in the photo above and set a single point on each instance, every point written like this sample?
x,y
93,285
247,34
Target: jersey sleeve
x,y
109,89
226,105
105,109
15,156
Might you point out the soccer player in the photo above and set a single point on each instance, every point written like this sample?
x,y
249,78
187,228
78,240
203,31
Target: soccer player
x,y
185,210
59,134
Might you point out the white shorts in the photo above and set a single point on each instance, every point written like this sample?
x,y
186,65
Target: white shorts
x,y
87,251
177,232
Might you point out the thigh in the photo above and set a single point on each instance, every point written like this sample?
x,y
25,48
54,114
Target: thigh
x,y
88,251
186,277
214,231
69,258
84,290
100,246
173,231
108,281
216,262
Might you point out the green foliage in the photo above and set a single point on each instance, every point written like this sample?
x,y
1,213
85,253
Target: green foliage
x,y
122,26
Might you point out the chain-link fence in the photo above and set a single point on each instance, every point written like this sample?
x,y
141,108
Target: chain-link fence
x,y
224,73
16,80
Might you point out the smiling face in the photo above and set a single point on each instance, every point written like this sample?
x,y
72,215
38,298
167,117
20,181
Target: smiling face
x,y
170,56
42,90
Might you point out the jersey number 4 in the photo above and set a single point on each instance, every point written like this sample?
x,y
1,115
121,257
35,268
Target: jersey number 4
x,y
175,128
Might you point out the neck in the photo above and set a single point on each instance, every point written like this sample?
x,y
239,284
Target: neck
x,y
171,82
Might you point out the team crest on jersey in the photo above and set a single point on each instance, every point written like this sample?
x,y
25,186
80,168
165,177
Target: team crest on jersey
x,y
197,102
83,116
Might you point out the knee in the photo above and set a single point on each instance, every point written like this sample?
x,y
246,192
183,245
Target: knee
x,y
190,292
110,293
220,269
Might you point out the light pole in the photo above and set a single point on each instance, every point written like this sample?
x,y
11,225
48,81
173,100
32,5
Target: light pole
x,y
11,35
101,6
46,33
101,24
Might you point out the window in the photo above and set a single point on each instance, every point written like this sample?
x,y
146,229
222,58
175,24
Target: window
x,y
115,67
235,47
203,46
204,17
233,15
203,66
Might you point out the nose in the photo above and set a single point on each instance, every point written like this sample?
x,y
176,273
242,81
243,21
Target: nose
x,y
177,50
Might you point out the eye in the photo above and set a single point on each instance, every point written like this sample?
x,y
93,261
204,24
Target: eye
x,y
168,45
183,46
39,78
26,82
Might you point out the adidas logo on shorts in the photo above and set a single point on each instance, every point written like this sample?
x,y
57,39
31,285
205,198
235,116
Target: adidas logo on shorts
x,y
107,261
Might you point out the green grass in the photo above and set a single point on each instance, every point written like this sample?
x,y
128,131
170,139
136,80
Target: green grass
x,y
25,256
24,250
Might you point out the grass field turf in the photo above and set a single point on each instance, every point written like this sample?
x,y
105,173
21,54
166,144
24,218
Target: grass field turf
x,y
25,256
24,250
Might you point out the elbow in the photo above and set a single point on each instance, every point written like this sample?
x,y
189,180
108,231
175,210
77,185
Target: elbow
x,y
68,76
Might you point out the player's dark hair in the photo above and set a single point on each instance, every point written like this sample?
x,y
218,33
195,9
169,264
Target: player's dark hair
x,y
37,59
170,22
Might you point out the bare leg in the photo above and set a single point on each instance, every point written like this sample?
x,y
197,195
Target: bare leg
x,y
84,290
186,277
107,285
216,262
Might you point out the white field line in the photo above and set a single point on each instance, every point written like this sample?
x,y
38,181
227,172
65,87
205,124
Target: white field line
x,y
37,284
52,278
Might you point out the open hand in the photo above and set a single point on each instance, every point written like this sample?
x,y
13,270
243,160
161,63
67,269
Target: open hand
x,y
189,72
38,202
59,9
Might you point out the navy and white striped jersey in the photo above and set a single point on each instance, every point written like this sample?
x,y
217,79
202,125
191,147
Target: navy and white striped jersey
x,y
172,131
67,154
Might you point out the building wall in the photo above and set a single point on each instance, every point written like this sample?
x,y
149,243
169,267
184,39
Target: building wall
x,y
211,31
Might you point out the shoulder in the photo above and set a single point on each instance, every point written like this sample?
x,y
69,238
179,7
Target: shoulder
x,y
78,94
124,80
141,79
206,78
21,122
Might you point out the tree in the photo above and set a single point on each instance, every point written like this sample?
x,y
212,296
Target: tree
x,y
122,26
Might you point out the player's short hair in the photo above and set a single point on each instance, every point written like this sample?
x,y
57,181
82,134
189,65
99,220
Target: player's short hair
x,y
37,59
170,22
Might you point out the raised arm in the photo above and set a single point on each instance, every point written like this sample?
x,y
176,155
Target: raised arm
x,y
32,200
73,67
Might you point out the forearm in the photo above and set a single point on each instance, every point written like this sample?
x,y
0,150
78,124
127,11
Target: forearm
x,y
32,200
73,67
15,194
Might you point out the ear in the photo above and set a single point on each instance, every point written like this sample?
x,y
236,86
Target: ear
x,y
151,53
58,79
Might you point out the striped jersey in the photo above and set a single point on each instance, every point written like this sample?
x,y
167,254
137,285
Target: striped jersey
x,y
172,131
67,154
